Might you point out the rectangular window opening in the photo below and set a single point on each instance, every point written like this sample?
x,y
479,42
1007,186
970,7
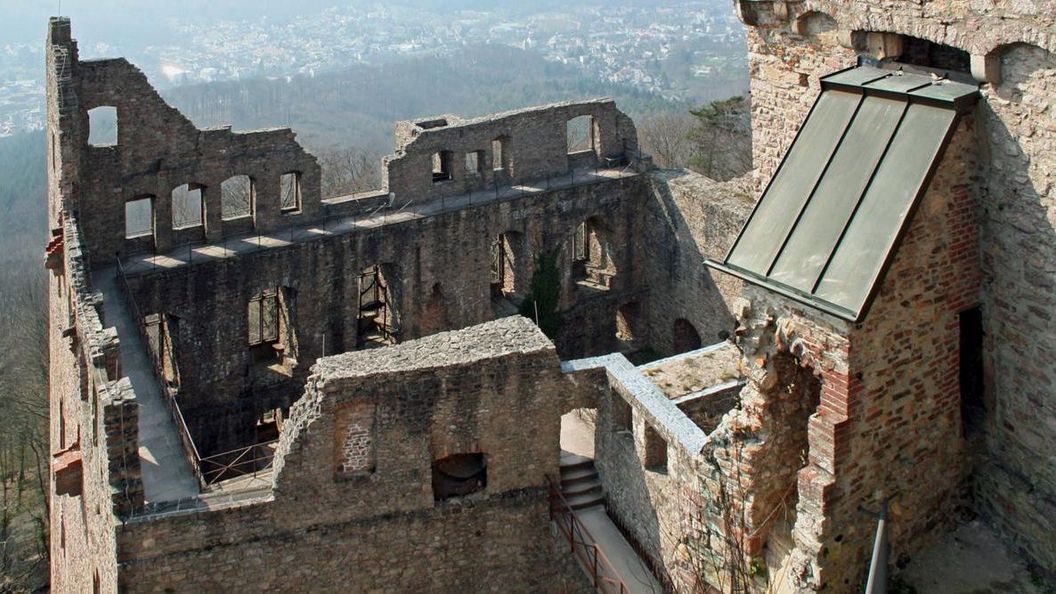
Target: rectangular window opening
x,y
441,166
139,217
498,154
187,206
236,197
290,192
475,162
102,126
655,451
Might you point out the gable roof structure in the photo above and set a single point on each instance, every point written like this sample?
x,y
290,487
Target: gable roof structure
x,y
828,223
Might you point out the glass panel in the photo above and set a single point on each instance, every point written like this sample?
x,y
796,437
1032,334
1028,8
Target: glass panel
x,y
253,318
269,319
870,235
829,209
777,210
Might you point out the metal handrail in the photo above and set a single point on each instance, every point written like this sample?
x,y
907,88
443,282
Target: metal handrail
x,y
189,449
590,555
216,469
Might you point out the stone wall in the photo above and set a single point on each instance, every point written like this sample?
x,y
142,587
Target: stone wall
x,y
495,389
1011,51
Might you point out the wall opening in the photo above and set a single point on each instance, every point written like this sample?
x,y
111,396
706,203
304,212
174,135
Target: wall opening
x,y
499,155
475,162
655,454
904,49
627,319
263,325
442,166
506,252
376,322
591,261
580,134
459,475
139,217
102,126
973,405
188,209
685,337
290,192
236,197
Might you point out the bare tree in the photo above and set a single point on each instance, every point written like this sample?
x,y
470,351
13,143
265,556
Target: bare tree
x,y
722,139
348,171
666,136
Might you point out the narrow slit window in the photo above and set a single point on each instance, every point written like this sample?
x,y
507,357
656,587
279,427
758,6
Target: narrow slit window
x,y
236,197
290,192
187,206
139,217
498,154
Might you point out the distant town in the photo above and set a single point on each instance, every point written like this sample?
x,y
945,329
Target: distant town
x,y
665,51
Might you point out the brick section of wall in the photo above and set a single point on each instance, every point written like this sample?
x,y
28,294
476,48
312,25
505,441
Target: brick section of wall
x,y
1012,214
355,438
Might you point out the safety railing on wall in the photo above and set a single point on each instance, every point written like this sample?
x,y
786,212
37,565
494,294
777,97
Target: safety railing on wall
x,y
583,546
168,392
336,221
249,463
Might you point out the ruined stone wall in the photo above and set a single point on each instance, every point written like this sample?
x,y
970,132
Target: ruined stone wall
x,y
93,416
494,389
157,150
690,219
1012,48
534,147
438,272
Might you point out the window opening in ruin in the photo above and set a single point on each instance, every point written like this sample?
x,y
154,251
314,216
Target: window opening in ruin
x,y
139,217
187,206
498,154
290,192
626,322
475,162
441,166
921,52
685,337
269,425
655,451
591,265
504,251
263,318
236,197
376,326
579,134
623,414
459,475
102,126
973,405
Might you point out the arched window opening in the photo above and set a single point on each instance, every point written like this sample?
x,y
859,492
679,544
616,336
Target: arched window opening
x,y
102,126
685,337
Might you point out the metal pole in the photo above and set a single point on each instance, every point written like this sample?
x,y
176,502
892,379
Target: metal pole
x,y
877,581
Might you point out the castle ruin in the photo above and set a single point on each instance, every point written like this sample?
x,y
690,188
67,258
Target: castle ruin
x,y
257,388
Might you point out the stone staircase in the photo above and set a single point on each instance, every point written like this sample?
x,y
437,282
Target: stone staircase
x,y
580,483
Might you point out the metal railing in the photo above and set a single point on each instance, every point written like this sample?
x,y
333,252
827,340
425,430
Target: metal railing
x,y
251,461
167,391
655,568
582,544
332,221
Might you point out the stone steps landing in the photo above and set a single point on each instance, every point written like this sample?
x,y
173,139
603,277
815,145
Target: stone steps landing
x,y
580,483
